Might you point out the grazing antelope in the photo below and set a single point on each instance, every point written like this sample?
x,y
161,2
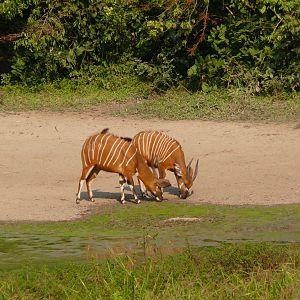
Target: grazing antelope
x,y
107,152
165,153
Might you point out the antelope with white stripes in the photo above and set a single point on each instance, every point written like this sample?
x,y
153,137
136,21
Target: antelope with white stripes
x,y
107,152
165,153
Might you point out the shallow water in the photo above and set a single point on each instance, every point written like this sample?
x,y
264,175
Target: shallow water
x,y
22,248
147,228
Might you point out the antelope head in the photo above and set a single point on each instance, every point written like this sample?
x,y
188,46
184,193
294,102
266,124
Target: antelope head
x,y
159,184
186,182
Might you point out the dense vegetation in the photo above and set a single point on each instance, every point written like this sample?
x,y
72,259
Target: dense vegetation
x,y
201,45
250,271
137,252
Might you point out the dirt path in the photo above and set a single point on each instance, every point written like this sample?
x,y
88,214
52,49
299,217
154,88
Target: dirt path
x,y
240,163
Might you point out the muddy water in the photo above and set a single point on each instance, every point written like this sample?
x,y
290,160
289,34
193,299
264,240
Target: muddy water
x,y
22,248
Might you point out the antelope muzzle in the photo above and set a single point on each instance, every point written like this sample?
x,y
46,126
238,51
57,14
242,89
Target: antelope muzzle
x,y
185,194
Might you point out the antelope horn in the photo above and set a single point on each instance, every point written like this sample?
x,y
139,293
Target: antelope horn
x,y
188,169
196,170
189,164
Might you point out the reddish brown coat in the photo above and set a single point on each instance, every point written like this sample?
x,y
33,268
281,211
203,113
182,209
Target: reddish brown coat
x,y
110,153
165,153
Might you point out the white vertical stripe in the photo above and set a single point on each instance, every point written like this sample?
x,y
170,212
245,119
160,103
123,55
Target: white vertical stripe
x,y
150,145
139,143
156,148
117,146
111,149
147,145
99,146
83,153
108,137
88,150
131,157
121,164
162,145
151,160
170,153
94,145
143,144
169,146
119,152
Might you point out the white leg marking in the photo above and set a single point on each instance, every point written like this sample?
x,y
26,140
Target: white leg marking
x,y
122,186
81,182
90,190
134,194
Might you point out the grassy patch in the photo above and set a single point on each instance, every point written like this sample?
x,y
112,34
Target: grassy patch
x,y
255,254
69,95
127,229
249,271
136,98
220,105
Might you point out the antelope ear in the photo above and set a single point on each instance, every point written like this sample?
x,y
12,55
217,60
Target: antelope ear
x,y
162,183
178,171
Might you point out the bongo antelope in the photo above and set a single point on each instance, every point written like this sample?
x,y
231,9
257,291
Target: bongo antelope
x,y
107,152
165,153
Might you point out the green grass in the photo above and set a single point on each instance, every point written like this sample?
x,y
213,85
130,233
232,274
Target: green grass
x,y
248,271
221,105
136,98
69,95
131,252
129,227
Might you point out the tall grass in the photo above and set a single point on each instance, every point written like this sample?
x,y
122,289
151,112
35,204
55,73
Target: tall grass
x,y
247,271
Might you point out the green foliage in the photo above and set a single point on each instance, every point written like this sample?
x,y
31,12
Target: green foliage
x,y
257,46
250,271
200,44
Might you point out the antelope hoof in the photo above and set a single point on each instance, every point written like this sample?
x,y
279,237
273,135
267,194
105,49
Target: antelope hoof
x,y
138,201
158,199
145,195
77,200
122,201
92,199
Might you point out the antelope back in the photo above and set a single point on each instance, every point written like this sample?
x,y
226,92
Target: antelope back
x,y
111,153
156,147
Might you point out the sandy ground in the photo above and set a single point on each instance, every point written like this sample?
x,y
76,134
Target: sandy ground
x,y
240,163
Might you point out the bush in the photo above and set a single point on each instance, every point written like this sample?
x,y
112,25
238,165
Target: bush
x,y
200,44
